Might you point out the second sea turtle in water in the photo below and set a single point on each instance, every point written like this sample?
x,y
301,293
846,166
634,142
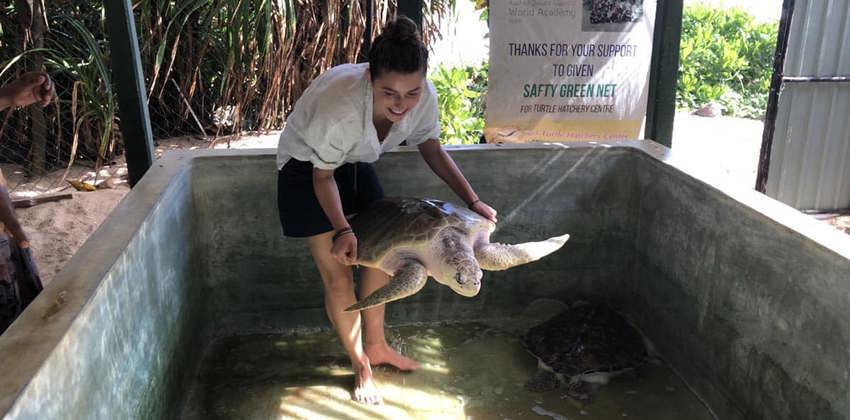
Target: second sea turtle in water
x,y
411,239
585,344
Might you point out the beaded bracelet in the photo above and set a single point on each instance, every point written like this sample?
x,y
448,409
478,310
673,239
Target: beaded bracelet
x,y
341,232
478,200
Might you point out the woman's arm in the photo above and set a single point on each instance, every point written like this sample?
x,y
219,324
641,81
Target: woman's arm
x,y
444,166
326,191
345,246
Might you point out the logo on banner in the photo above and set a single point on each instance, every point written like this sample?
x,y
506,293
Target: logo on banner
x,y
564,70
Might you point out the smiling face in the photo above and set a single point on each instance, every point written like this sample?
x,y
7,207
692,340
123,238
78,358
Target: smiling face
x,y
394,94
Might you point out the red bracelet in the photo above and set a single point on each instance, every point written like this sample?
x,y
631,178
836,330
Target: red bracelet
x,y
473,203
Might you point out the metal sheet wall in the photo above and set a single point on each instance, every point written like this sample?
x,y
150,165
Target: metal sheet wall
x,y
810,157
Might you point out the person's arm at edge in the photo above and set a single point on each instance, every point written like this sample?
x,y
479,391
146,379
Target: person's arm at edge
x,y
444,166
5,100
8,217
30,88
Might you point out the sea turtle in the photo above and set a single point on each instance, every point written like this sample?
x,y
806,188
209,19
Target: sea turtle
x,y
585,344
411,238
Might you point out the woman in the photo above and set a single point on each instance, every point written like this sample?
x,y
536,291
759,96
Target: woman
x,y
345,119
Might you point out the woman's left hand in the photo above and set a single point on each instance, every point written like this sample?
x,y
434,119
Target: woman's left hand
x,y
484,210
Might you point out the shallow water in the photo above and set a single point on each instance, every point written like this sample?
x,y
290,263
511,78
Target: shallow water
x,y
467,371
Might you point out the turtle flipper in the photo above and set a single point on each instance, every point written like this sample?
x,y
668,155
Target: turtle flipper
x,y
408,279
496,257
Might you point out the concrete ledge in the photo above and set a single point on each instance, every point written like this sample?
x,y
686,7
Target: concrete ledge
x,y
89,346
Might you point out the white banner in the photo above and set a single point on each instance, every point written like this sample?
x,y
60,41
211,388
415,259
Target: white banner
x,y
563,70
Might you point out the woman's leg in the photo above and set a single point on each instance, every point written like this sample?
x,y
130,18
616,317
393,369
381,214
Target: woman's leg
x,y
377,349
339,294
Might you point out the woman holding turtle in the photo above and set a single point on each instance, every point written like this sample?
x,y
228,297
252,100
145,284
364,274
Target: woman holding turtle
x,y
345,120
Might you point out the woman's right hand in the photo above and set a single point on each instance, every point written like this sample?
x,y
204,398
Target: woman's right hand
x,y
345,249
484,210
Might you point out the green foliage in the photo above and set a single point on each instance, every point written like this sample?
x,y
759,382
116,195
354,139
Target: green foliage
x,y
725,57
211,67
86,62
483,9
75,53
460,91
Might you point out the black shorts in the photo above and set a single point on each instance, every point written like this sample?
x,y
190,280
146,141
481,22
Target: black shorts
x,y
300,213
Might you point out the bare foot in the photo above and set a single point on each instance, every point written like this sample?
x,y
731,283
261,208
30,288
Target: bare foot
x,y
380,354
365,391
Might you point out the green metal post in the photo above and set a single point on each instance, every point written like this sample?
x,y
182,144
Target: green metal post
x,y
411,9
663,72
128,80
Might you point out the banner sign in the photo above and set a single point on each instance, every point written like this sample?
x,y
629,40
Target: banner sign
x,y
563,70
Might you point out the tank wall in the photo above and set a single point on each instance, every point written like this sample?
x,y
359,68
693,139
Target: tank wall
x,y
118,331
261,281
753,313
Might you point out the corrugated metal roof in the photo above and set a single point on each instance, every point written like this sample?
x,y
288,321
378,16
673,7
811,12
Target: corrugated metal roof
x,y
810,157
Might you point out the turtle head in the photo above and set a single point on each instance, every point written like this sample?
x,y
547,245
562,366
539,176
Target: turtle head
x,y
466,278
459,269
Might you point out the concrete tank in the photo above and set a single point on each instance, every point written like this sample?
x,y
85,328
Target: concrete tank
x,y
747,299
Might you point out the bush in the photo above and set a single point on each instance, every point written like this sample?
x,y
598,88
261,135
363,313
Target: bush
x,y
203,74
725,57
461,100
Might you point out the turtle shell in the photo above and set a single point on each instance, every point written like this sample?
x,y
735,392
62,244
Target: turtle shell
x,y
390,224
584,339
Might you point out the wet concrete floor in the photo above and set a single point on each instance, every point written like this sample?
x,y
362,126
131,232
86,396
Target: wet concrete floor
x,y
468,371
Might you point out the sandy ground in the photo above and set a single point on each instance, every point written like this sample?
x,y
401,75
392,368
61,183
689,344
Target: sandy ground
x,y
733,144
58,229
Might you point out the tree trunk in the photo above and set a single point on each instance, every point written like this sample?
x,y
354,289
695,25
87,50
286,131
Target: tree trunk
x,y
38,146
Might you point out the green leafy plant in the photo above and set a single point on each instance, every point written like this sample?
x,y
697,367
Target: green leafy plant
x,y
461,101
211,67
75,53
93,103
483,8
725,57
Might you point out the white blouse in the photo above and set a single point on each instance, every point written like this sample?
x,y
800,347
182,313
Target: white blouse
x,y
331,124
